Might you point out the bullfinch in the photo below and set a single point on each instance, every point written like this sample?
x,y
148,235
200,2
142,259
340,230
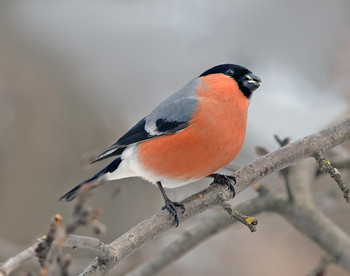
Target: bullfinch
x,y
190,135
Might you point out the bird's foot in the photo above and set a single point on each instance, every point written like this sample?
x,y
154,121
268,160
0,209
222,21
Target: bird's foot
x,y
225,180
171,207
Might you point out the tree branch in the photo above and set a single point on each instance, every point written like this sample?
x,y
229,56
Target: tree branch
x,y
265,201
321,267
300,178
193,237
307,219
47,248
253,172
16,261
92,244
250,222
73,241
326,166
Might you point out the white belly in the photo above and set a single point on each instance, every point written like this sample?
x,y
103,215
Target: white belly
x,y
131,167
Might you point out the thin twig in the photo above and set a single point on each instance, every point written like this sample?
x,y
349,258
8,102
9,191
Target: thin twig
x,y
83,216
44,243
248,221
341,164
54,252
261,151
285,172
321,267
326,166
80,215
64,264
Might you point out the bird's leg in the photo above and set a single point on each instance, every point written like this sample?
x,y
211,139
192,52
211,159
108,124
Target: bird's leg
x,y
224,180
171,205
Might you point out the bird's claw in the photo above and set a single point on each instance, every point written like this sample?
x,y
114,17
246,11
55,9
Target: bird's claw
x,y
225,180
171,207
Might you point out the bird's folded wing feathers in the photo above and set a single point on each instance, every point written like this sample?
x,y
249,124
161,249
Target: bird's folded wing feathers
x,y
171,116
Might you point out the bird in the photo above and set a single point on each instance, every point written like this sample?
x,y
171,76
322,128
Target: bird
x,y
189,136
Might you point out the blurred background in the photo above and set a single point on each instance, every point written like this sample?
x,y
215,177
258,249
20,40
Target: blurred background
x,y
75,75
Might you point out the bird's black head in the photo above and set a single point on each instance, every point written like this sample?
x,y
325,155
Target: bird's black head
x,y
246,80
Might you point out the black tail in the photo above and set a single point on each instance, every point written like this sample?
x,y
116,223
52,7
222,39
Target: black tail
x,y
73,193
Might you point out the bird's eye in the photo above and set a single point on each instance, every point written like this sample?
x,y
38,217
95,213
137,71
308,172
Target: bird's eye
x,y
230,72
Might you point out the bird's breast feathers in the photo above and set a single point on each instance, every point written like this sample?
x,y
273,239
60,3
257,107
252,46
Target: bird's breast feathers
x,y
212,139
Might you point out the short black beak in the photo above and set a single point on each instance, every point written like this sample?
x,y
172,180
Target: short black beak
x,y
254,79
252,82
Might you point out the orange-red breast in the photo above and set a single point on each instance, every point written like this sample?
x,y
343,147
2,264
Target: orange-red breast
x,y
189,136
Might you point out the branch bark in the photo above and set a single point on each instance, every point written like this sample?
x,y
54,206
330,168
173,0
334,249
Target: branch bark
x,y
92,244
326,166
253,172
16,261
